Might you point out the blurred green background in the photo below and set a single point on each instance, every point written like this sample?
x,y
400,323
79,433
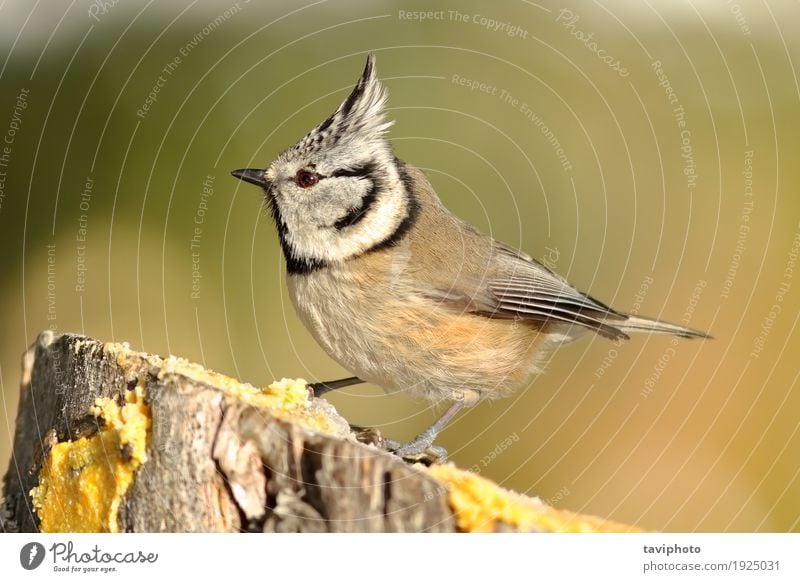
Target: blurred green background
x,y
648,151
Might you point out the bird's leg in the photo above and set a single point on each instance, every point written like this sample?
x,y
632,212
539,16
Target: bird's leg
x,y
424,440
321,388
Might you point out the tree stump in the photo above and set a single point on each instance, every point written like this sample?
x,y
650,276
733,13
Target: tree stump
x,y
109,439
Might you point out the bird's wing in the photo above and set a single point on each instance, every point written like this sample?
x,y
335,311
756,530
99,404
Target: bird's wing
x,y
515,286
540,295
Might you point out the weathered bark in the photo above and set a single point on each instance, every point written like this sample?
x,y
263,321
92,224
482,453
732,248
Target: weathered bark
x,y
215,461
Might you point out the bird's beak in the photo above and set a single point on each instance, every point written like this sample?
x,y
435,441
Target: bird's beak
x,y
251,176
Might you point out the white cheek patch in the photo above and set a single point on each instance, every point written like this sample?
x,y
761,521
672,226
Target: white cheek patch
x,y
311,241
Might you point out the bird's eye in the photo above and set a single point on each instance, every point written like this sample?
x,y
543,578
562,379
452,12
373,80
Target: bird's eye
x,y
306,179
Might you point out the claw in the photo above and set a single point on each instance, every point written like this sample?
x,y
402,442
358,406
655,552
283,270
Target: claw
x,y
415,447
429,455
369,435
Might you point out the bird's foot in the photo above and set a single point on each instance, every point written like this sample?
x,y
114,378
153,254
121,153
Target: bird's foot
x,y
430,455
420,450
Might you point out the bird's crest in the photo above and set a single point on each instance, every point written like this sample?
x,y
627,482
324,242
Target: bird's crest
x,y
361,117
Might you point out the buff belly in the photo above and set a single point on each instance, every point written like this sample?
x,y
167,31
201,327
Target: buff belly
x,y
405,342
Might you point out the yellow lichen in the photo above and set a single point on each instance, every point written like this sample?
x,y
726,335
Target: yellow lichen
x,y
481,506
290,394
287,399
83,482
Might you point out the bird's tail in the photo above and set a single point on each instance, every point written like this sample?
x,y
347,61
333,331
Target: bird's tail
x,y
644,324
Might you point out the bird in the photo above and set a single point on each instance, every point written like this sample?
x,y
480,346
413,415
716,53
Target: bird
x,y
402,292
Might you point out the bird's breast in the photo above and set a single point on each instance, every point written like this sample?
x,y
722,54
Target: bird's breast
x,y
388,334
